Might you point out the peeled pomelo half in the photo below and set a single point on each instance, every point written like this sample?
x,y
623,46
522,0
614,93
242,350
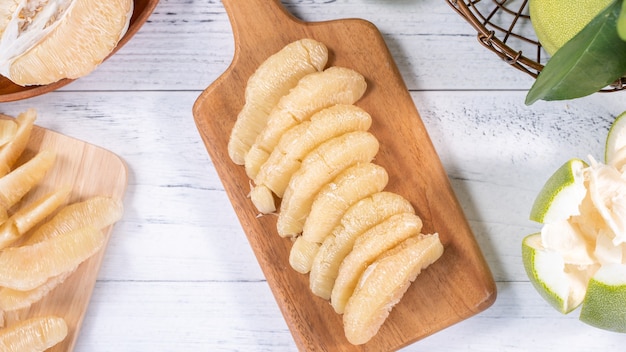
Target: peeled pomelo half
x,y
561,285
561,194
604,305
45,41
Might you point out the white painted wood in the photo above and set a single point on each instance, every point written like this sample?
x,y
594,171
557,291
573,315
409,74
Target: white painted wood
x,y
179,274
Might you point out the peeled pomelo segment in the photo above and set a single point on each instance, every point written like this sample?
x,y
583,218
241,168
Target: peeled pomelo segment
x,y
98,212
11,299
561,194
565,238
615,145
29,266
318,168
360,217
8,129
314,92
271,81
562,286
607,189
20,181
383,284
366,250
33,334
604,306
28,217
10,152
62,39
302,254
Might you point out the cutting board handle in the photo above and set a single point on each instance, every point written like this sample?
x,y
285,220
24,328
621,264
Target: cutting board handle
x,y
254,20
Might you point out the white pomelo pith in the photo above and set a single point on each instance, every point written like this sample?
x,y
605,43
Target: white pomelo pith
x,y
560,285
605,303
561,194
48,40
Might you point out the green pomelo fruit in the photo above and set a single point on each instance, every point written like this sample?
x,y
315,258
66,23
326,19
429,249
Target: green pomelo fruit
x,y
557,21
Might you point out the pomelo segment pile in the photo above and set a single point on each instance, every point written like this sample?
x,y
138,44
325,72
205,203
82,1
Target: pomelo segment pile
x,y
309,155
579,257
44,41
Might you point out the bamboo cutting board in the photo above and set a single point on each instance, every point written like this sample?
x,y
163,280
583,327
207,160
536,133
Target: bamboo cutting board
x,y
458,286
91,171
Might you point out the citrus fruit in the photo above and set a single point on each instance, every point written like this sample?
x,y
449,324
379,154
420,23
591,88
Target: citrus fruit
x,y
20,181
561,194
318,168
26,267
11,299
60,39
557,21
314,92
332,201
360,217
366,250
383,284
298,141
34,334
604,305
561,285
580,259
10,152
615,146
272,80
8,129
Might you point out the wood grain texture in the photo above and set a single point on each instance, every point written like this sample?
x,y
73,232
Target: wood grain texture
x,y
90,171
10,91
458,286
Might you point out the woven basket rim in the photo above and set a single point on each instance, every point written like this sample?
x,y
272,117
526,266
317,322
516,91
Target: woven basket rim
x,y
494,36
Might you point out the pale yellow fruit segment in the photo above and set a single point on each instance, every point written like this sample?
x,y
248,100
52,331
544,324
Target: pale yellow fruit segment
x,y
330,204
352,185
314,92
320,167
11,299
8,129
34,334
10,152
300,140
79,39
271,81
18,182
384,283
98,212
366,250
28,217
29,266
359,218
302,254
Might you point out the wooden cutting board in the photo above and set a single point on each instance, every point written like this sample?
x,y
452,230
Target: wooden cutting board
x,y
456,287
91,171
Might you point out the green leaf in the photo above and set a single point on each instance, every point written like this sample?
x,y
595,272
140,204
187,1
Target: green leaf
x,y
621,22
590,61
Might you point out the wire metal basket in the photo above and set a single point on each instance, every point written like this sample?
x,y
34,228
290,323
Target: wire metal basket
x,y
504,27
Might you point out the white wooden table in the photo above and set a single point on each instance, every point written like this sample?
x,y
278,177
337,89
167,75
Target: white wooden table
x,y
179,274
